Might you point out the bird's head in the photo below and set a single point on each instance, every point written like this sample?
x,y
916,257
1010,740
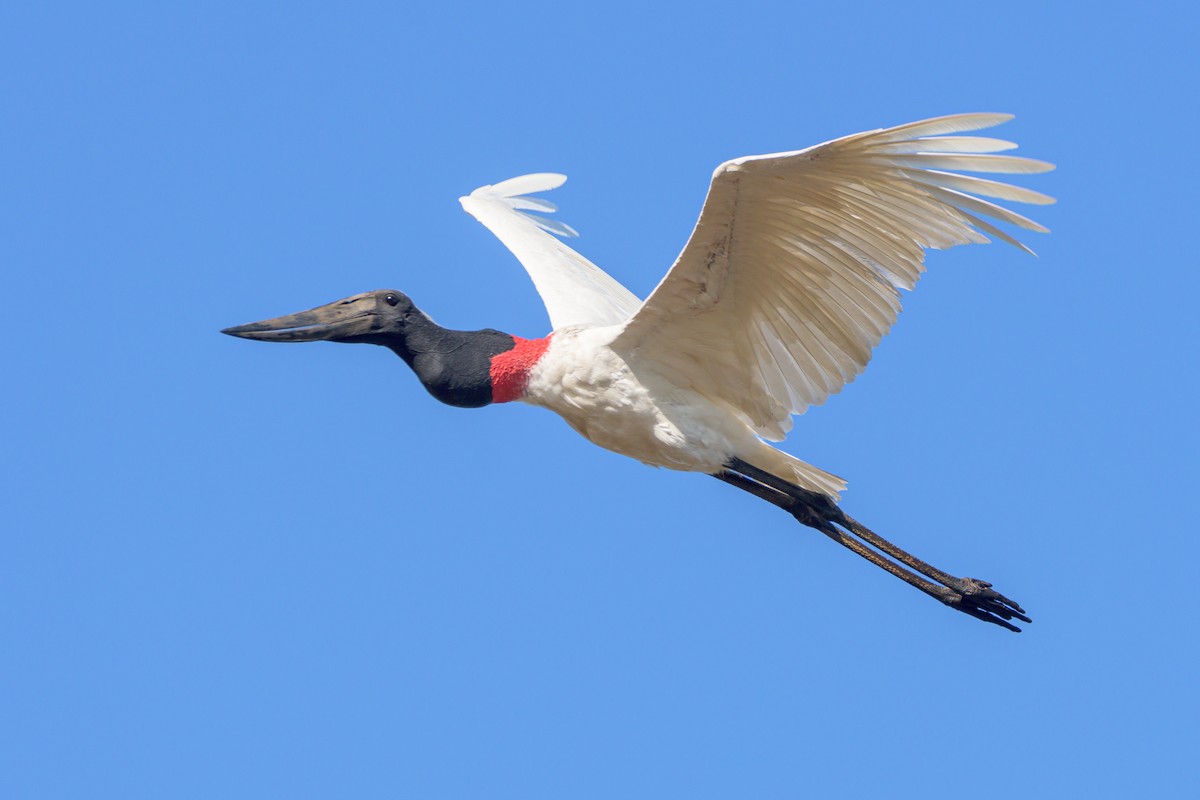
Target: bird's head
x,y
371,317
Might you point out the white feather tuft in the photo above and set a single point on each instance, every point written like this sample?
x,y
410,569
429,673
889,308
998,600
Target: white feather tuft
x,y
522,184
574,290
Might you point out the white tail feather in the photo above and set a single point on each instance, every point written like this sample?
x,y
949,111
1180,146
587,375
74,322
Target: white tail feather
x,y
791,469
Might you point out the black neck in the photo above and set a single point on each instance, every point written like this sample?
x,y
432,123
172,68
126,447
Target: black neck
x,y
454,366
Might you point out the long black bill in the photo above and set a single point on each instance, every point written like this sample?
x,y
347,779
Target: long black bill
x,y
337,321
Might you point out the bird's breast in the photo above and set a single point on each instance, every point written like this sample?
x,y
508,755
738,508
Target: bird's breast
x,y
627,410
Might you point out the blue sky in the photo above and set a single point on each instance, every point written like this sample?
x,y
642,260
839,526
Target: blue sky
x,y
241,570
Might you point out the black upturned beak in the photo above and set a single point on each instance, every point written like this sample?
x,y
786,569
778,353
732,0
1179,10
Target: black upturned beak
x,y
338,321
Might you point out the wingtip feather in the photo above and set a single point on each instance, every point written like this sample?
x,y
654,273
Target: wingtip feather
x,y
523,184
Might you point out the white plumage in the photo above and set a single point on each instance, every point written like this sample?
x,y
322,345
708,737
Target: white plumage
x,y
789,280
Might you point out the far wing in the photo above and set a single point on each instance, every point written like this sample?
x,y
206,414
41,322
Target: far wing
x,y
575,291
792,274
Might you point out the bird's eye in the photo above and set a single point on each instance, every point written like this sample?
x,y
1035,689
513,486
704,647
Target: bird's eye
x,y
391,299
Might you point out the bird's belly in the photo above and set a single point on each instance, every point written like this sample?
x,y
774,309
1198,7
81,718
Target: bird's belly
x,y
597,393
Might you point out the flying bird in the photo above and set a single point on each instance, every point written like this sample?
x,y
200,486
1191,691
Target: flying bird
x,y
789,280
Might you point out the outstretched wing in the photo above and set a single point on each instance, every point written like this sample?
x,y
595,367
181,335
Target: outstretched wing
x,y
792,274
575,291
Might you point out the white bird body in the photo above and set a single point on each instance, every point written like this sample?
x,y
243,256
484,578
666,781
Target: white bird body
x,y
623,405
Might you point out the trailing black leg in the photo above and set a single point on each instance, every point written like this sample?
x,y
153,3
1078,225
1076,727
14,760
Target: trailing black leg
x,y
971,596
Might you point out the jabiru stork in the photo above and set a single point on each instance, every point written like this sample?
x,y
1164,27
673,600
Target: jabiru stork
x,y
790,278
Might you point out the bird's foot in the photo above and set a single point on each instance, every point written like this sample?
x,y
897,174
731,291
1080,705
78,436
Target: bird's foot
x,y
977,598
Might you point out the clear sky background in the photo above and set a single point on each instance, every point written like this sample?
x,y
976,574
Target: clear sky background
x,y
240,570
